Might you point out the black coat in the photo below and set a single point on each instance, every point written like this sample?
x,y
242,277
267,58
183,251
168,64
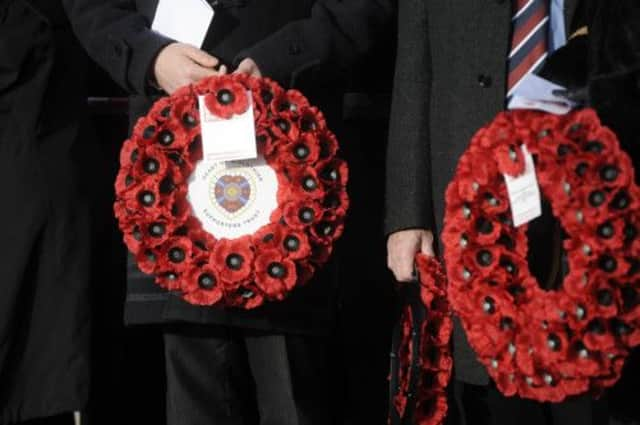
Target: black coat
x,y
44,219
307,44
450,81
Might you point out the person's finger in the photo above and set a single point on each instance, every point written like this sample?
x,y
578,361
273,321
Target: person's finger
x,y
403,270
222,70
243,68
427,245
400,264
197,73
201,57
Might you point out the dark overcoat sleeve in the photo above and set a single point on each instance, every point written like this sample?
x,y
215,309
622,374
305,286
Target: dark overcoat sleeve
x,y
118,38
409,201
337,33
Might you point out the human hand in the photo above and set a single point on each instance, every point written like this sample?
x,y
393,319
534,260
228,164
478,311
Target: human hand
x,y
249,67
180,64
402,248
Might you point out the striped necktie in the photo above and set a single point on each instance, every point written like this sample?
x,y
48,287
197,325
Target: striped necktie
x,y
529,43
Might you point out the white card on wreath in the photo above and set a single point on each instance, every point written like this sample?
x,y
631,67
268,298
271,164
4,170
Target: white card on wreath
x,y
524,192
227,139
233,198
186,21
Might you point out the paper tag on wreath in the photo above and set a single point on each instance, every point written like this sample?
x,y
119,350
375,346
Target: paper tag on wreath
x,y
233,198
227,139
524,192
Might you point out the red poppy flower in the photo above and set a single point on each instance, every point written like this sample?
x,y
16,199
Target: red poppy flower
x,y
275,274
510,159
233,260
300,214
129,153
267,143
333,174
303,183
327,230
328,143
226,98
246,297
151,164
124,181
161,109
169,280
289,103
303,151
176,254
305,271
311,119
269,237
202,286
264,92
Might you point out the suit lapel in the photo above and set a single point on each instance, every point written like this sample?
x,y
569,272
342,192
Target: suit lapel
x,y
570,7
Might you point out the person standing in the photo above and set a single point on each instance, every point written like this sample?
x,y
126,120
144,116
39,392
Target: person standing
x,y
47,159
458,63
226,366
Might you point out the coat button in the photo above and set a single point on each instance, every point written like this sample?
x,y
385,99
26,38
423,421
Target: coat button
x,y
294,49
485,81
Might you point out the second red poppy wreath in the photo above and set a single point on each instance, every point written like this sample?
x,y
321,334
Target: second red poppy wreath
x,y
236,233
546,345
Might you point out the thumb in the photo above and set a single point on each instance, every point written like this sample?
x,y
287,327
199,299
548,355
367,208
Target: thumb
x,y
427,244
201,57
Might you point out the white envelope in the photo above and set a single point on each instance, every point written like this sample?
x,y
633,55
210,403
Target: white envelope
x,y
186,21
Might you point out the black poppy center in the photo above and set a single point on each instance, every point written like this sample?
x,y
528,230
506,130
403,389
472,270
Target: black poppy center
x,y
225,97
292,243
177,255
594,146
146,198
189,120
609,173
165,138
156,229
554,342
206,281
605,297
151,165
266,96
324,229
484,226
484,257
306,215
283,125
596,198
148,132
606,230
309,184
489,305
276,270
608,263
581,169
301,151
621,201
234,261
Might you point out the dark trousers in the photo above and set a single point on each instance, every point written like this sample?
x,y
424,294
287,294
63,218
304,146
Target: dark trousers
x,y
65,419
227,376
485,405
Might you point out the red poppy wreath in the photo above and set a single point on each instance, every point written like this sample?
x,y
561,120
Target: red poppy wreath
x,y
238,249
421,360
546,345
